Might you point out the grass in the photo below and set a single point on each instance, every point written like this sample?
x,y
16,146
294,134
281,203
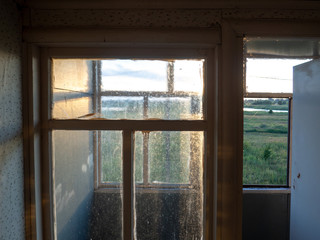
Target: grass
x,y
265,144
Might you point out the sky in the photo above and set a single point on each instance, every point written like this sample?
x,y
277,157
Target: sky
x,y
271,75
262,75
151,75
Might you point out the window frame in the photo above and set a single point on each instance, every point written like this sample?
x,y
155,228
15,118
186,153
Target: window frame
x,y
207,125
289,96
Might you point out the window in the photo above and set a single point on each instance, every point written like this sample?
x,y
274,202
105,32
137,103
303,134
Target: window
x,y
128,137
267,105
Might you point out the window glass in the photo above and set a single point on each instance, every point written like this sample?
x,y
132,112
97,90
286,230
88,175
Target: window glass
x,y
270,75
81,212
71,88
127,89
122,107
188,75
265,141
111,156
134,75
176,212
175,108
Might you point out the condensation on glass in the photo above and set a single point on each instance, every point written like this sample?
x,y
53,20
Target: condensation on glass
x,y
127,89
169,186
265,141
80,212
110,151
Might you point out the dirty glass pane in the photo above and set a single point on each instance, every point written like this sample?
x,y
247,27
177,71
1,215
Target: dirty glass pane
x,y
122,107
127,89
71,88
175,108
111,156
134,75
170,204
265,141
188,76
270,75
140,148
80,212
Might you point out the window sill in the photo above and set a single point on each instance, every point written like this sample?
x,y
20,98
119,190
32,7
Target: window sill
x,y
147,190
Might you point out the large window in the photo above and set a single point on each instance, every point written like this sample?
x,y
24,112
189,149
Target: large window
x,y
267,106
128,146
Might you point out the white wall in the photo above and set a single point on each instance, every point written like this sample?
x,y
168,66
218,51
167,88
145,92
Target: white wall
x,y
11,147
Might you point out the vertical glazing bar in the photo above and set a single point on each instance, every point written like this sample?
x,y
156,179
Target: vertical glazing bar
x,y
145,158
145,179
128,185
289,143
211,149
95,133
170,76
46,163
98,109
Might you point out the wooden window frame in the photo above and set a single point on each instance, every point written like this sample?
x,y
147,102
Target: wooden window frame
x,y
43,224
268,187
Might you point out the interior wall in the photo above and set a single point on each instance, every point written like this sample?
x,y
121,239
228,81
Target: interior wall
x,y
266,216
11,147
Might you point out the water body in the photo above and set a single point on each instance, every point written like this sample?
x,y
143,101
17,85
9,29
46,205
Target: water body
x,y
262,110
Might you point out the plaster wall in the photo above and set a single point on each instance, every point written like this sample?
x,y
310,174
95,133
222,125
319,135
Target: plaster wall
x,y
11,146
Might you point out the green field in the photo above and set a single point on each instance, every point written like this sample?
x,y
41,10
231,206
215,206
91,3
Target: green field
x,y
265,142
264,146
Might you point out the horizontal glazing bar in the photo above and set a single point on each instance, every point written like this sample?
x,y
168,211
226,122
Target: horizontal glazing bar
x,y
149,93
267,95
137,125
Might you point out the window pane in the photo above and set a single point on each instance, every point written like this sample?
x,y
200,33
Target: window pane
x,y
140,155
265,143
188,75
71,88
134,75
169,157
176,212
270,75
122,107
80,212
111,156
174,108
127,89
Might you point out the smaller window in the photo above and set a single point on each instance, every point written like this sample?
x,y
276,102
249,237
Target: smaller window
x,y
266,122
